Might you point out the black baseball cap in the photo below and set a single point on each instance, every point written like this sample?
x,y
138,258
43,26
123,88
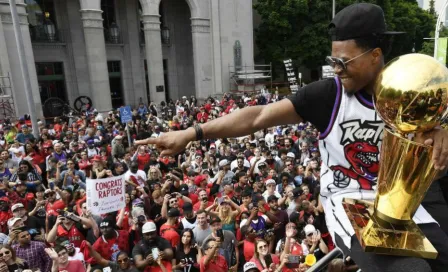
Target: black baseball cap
x,y
215,219
360,20
187,207
173,212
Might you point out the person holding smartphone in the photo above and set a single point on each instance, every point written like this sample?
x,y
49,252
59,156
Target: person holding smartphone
x,y
188,253
265,260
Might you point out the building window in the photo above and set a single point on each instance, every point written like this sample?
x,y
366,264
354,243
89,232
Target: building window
x,y
51,80
42,21
112,32
116,87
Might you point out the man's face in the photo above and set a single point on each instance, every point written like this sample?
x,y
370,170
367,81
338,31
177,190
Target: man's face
x,y
173,203
123,261
202,219
203,196
71,165
246,200
108,232
5,155
25,130
51,197
273,205
243,180
24,237
150,236
361,71
240,163
216,226
58,148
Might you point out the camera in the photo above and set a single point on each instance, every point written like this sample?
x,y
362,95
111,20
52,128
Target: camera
x,y
173,195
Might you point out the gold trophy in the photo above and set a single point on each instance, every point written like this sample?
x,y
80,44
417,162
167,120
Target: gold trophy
x,y
411,96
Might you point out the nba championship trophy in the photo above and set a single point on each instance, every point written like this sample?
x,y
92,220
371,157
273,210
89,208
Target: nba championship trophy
x,y
410,97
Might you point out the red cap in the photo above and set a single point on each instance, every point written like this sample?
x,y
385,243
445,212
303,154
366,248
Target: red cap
x,y
29,196
199,179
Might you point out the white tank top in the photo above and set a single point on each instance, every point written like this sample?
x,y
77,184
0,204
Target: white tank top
x,y
188,225
350,160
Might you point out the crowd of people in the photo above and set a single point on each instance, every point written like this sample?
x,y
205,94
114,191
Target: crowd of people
x,y
236,204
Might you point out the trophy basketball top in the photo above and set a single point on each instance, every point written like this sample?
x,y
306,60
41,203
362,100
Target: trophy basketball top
x,y
411,93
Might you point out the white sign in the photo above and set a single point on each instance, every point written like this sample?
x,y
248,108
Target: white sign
x,y
105,195
327,72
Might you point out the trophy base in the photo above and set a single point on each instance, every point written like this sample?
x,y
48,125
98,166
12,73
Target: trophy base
x,y
380,237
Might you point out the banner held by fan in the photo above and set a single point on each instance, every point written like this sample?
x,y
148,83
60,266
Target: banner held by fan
x,y
105,195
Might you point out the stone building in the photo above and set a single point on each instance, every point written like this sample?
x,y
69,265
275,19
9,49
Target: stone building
x,y
121,52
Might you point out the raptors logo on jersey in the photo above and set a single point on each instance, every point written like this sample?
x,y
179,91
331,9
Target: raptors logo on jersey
x,y
360,141
350,146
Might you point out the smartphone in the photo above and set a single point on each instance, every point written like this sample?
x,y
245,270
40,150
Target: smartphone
x,y
220,234
220,200
293,261
204,165
268,260
51,185
155,253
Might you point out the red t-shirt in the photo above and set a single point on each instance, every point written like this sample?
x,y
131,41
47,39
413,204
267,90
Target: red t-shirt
x,y
73,266
169,233
73,234
109,249
142,160
217,264
248,249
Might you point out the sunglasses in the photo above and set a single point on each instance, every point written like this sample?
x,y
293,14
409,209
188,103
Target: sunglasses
x,y
263,246
5,253
125,260
334,61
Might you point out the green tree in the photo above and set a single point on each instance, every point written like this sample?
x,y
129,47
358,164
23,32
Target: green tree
x,y
298,29
428,46
432,8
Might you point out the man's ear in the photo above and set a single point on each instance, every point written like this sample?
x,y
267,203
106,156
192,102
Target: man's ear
x,y
377,55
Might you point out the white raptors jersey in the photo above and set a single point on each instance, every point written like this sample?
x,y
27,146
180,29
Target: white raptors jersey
x,y
350,160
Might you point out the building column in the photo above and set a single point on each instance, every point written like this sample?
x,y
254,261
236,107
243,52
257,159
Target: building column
x,y
92,22
16,76
202,56
154,57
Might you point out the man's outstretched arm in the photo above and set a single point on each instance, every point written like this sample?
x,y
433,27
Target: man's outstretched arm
x,y
239,123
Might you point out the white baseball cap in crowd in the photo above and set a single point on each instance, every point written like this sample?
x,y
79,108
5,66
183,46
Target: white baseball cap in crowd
x,y
17,206
309,229
149,227
250,265
223,163
291,155
12,221
270,181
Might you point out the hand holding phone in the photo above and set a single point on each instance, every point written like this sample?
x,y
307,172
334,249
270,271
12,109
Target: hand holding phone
x,y
155,253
